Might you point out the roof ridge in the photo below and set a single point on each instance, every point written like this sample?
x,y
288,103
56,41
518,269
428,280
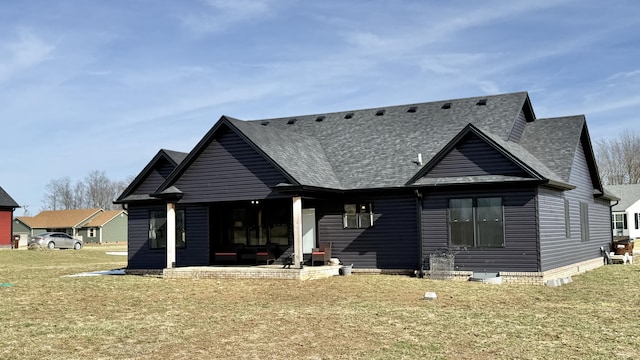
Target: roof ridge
x,y
457,100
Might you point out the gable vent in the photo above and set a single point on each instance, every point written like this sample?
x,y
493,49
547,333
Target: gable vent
x,y
264,123
446,105
320,118
348,116
380,113
482,102
412,109
292,121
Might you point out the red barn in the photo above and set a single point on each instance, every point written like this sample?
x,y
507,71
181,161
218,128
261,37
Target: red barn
x,y
7,205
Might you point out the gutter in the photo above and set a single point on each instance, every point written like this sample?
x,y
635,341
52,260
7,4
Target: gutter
x,y
419,228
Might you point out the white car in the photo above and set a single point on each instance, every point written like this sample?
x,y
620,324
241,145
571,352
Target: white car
x,y
54,240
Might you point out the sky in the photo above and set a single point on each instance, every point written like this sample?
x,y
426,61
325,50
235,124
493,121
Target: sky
x,y
103,85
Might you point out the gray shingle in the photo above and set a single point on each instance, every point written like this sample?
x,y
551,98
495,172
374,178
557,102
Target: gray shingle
x,y
628,194
554,142
372,151
6,200
299,155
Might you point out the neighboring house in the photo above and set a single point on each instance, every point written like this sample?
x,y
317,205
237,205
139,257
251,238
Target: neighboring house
x,y
7,206
109,226
625,217
479,177
78,223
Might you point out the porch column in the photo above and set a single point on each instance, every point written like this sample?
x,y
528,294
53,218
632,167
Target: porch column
x,y
297,231
171,235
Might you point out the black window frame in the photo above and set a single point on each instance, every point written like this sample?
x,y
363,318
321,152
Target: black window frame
x,y
159,242
360,218
470,226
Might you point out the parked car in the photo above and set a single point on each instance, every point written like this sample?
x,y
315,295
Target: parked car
x,y
54,240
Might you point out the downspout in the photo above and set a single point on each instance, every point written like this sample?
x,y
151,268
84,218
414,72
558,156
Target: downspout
x,y
611,216
419,228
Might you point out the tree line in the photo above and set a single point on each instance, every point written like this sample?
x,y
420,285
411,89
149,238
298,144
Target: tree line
x,y
96,190
619,159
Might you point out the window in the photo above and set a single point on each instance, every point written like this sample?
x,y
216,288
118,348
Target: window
x,y
567,219
158,229
619,223
584,221
476,222
357,216
92,232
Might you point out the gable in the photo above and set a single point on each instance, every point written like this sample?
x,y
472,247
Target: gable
x,y
472,156
155,177
152,176
228,169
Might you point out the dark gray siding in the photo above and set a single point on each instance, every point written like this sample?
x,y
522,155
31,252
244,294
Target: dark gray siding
x,y
392,243
518,128
196,251
140,256
556,249
155,178
520,224
229,169
474,157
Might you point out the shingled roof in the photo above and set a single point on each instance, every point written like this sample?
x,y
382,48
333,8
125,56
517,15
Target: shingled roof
x,y
629,194
378,147
7,201
59,218
103,218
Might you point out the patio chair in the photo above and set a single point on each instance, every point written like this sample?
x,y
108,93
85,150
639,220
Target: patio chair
x,y
266,254
322,253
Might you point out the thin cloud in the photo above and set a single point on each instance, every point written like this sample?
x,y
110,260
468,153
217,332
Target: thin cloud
x,y
624,75
22,53
219,15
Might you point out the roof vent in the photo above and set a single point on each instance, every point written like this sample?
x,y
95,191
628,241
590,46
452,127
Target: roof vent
x,y
264,123
292,121
380,113
446,105
320,118
348,116
482,102
412,109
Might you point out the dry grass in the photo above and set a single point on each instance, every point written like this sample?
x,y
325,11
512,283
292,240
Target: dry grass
x,y
44,315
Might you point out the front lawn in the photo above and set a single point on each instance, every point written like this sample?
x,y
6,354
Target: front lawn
x,y
46,315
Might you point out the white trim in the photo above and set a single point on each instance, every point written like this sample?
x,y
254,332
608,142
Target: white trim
x,y
171,235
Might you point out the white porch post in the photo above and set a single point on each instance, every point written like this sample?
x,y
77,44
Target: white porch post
x,y
297,231
171,235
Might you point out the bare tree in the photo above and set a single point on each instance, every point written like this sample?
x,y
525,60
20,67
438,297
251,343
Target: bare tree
x,y
618,159
66,193
52,196
96,190
99,190
79,193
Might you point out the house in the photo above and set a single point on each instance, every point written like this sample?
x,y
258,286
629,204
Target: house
x,y
109,226
91,225
481,178
625,217
7,206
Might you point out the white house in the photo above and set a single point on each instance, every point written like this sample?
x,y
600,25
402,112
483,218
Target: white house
x,y
625,213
